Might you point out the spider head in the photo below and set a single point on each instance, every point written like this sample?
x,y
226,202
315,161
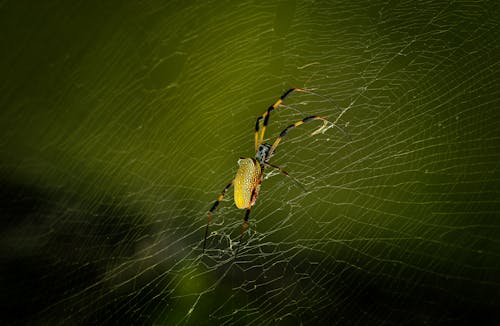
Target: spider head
x,y
262,154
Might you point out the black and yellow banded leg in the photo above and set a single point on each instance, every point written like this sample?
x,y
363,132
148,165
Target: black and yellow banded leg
x,y
266,115
243,229
280,170
290,127
214,206
255,193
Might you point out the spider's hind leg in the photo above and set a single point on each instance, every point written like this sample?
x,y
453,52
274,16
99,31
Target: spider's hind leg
x,y
280,170
214,206
255,194
243,229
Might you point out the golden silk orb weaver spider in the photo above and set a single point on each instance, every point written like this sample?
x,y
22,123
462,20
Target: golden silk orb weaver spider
x,y
251,170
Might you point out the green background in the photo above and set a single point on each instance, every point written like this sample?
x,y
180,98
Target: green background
x,y
122,122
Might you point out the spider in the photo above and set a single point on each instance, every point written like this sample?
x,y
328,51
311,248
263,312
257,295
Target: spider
x,y
251,170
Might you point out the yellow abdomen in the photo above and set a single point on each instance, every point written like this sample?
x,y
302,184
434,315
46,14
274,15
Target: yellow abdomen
x,y
247,178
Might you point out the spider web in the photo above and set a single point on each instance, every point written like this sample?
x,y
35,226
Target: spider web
x,y
121,124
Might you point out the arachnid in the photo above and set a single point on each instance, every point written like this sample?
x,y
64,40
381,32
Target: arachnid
x,y
251,170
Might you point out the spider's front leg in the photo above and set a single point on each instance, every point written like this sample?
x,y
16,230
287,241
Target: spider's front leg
x,y
267,114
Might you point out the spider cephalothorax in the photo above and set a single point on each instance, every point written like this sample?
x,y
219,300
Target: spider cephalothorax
x,y
251,170
263,153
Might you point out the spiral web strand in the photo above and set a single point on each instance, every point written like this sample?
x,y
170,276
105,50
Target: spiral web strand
x,y
116,162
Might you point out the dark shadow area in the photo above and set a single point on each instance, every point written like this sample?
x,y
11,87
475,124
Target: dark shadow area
x,y
55,262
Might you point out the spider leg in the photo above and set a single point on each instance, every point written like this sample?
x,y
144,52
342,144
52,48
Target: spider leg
x,y
296,124
243,229
255,193
266,115
280,170
214,206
